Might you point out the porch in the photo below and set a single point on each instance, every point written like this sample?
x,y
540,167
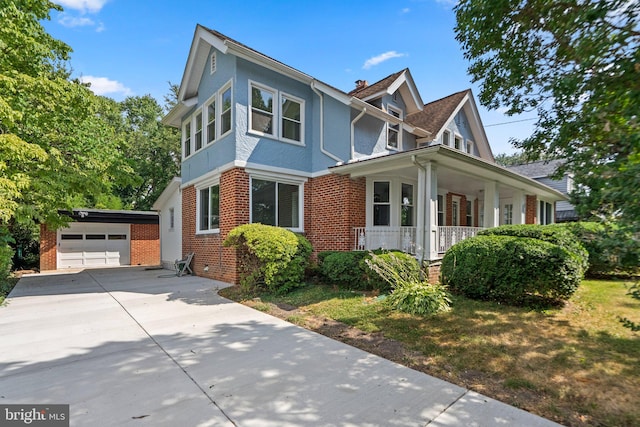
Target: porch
x,y
404,238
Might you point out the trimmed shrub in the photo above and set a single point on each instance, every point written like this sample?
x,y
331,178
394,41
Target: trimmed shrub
x,y
552,233
410,293
270,257
511,269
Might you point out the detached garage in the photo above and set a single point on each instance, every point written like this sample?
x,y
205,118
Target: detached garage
x,y
101,238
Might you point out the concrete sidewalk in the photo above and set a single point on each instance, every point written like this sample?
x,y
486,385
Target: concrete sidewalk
x,y
128,346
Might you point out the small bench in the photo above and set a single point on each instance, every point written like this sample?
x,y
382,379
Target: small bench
x,y
184,265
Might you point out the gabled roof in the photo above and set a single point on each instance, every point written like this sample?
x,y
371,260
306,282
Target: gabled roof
x,y
437,113
401,81
541,169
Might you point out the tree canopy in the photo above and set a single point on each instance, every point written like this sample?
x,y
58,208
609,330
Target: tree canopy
x,y
577,64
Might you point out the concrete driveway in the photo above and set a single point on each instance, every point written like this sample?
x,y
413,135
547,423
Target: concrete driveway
x,y
129,346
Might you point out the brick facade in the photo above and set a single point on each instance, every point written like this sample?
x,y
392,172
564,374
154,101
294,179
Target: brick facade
x,y
531,210
48,248
145,244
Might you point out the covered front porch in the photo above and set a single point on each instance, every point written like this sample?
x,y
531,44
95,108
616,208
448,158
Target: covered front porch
x,y
425,200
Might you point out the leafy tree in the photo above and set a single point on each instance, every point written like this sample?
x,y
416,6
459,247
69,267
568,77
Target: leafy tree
x,y
577,63
514,159
152,151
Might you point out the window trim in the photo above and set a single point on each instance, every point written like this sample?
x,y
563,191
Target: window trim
x,y
274,109
185,137
448,142
279,179
469,147
388,203
390,110
411,205
205,119
469,212
203,186
194,130
458,137
281,114
220,112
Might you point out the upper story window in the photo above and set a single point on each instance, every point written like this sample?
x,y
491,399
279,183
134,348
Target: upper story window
x,y
276,114
469,146
275,202
186,138
393,130
208,123
225,107
261,117
198,131
457,142
208,201
446,138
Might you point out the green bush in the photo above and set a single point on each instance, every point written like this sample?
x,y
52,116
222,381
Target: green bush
x,y
270,257
410,293
511,269
6,253
610,249
553,233
349,269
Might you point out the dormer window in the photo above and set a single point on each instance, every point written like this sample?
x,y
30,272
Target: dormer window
x,y
393,130
458,142
469,148
446,138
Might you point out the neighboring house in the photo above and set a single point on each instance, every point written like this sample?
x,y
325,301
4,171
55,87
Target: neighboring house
x,y
542,171
169,207
375,167
101,238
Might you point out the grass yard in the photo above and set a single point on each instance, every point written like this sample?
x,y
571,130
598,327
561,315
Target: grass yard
x,y
576,365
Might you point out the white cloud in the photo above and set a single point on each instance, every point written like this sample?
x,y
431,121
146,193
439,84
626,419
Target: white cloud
x,y
381,58
104,86
405,10
73,21
83,6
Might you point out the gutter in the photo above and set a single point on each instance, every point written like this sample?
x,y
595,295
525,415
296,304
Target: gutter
x,y
322,149
353,132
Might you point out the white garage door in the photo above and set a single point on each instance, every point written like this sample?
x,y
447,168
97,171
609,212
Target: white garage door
x,y
85,245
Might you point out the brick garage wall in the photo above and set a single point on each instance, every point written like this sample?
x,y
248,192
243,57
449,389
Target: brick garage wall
x,y
207,248
48,249
145,244
334,205
531,210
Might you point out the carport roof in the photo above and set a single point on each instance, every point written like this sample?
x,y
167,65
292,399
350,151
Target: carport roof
x,y
112,216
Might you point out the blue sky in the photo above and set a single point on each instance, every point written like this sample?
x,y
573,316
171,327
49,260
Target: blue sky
x,y
134,47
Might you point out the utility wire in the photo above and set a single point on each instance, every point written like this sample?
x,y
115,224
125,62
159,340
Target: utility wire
x,y
507,123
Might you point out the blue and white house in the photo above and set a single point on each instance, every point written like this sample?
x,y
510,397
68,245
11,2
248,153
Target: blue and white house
x,y
371,167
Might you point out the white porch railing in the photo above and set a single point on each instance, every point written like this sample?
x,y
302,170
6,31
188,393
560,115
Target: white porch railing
x,y
370,238
404,238
449,236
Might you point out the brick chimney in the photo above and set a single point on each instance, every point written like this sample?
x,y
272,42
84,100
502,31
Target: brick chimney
x,y
361,84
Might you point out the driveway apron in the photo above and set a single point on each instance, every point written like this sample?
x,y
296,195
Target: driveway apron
x,y
130,346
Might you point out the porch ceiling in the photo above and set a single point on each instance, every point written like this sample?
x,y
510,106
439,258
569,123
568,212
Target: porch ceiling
x,y
458,172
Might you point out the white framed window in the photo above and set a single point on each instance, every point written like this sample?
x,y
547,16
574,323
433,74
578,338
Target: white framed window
x,y
212,63
469,213
545,213
261,110
198,131
469,148
225,102
275,114
440,208
455,211
507,216
292,111
407,211
208,209
381,203
446,138
393,130
210,112
186,138
457,142
277,202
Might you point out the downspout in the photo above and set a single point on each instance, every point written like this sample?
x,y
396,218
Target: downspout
x,y
322,149
427,178
353,132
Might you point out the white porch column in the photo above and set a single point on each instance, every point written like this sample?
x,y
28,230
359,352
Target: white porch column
x,y
491,204
426,238
518,207
420,217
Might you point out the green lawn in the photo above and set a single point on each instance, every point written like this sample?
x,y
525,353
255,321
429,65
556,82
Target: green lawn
x,y
575,364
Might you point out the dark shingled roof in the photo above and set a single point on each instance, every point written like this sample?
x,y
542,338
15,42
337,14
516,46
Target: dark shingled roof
x,y
435,114
377,86
539,169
